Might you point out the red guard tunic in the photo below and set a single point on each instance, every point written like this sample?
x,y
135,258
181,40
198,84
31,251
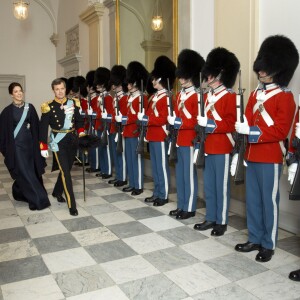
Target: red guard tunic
x,y
132,109
157,113
221,119
186,108
264,141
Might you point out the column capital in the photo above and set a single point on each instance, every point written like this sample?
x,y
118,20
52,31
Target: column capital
x,y
93,13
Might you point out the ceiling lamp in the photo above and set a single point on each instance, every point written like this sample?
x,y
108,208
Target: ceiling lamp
x,y
21,9
157,23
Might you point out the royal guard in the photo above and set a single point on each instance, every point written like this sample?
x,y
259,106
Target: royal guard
x,y
163,77
136,76
268,118
63,117
188,70
118,85
79,91
220,71
104,109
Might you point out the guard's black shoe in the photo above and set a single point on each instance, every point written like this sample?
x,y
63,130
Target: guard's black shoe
x,y
128,189
175,212
106,176
219,230
32,207
136,192
295,275
120,183
73,211
92,170
160,202
112,181
264,255
150,199
59,198
204,225
247,247
185,215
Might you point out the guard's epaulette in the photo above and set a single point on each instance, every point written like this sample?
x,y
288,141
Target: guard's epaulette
x,y
77,102
231,91
45,107
285,89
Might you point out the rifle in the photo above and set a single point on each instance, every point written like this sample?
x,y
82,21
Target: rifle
x,y
295,189
104,136
199,141
172,137
119,129
240,139
141,128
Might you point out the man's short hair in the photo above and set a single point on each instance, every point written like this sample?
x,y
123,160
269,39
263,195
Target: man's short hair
x,y
57,81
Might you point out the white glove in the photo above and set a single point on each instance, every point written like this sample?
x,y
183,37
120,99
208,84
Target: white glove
x,y
45,153
171,119
234,164
104,115
80,110
82,134
202,121
297,132
140,116
118,118
90,111
242,128
292,171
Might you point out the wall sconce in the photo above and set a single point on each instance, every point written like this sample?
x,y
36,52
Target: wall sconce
x,y
157,23
21,9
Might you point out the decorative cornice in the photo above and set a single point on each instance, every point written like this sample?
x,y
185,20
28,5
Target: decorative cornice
x,y
93,13
156,46
70,60
109,3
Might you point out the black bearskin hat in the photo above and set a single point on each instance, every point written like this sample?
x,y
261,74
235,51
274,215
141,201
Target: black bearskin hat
x,y
90,75
102,76
135,73
190,64
79,86
278,57
69,85
164,68
220,60
118,76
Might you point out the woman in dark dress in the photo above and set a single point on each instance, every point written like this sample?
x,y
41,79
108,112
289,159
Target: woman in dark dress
x,y
19,144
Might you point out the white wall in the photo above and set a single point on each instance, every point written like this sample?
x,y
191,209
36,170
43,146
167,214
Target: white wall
x,y
68,17
282,17
27,50
202,26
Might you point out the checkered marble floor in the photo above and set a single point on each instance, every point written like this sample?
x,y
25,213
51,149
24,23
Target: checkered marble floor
x,y
121,248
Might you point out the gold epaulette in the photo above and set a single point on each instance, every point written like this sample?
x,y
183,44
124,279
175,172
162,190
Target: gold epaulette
x,y
45,107
77,102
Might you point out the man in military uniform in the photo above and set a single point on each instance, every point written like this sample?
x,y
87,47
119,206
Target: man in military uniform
x,y
268,118
63,116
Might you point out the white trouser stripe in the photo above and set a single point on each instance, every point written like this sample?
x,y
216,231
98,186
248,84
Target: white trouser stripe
x,y
108,160
275,209
191,179
225,182
123,160
163,157
139,171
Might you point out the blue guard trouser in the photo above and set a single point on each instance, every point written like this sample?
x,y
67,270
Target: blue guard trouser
x,y
186,179
120,163
160,169
135,163
104,156
113,149
217,187
262,200
94,156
